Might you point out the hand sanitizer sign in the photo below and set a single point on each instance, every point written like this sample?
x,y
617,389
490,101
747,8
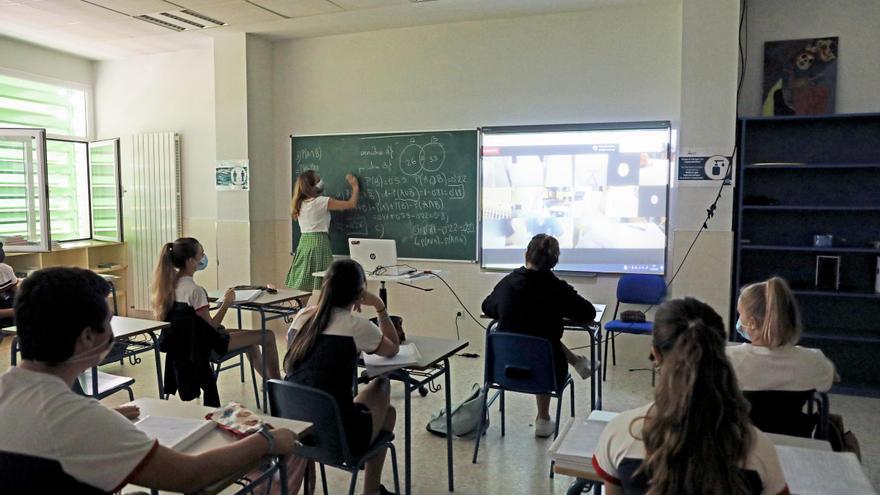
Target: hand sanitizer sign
x,y
232,175
704,170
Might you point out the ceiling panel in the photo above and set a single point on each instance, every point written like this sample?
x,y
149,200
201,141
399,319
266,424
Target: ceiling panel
x,y
136,7
298,8
232,12
367,4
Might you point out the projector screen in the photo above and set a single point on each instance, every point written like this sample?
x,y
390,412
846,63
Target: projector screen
x,y
600,189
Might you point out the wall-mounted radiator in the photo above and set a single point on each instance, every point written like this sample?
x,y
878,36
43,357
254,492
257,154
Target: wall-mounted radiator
x,y
151,205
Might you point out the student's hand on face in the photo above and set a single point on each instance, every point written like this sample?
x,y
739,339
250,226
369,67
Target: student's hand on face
x,y
370,299
130,412
352,181
229,297
285,441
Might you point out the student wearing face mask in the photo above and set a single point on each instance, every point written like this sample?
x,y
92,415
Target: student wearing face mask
x,y
173,284
312,211
770,323
77,444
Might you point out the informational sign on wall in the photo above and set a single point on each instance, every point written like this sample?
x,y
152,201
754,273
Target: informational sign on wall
x,y
232,175
704,170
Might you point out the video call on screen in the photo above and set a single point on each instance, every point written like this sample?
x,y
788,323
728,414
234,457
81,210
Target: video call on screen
x,y
601,192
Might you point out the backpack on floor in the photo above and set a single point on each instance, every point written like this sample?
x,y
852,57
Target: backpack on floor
x,y
465,416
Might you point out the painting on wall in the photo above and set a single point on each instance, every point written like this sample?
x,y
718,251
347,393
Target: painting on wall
x,y
800,76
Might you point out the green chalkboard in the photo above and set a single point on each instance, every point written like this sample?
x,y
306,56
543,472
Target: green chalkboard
x,y
418,188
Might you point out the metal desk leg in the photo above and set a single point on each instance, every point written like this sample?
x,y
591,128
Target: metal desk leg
x,y
263,332
158,365
95,393
282,474
14,350
600,376
595,372
407,450
383,293
448,424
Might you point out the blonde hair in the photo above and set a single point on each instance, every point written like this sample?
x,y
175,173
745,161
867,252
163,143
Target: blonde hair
x,y
303,189
772,305
172,258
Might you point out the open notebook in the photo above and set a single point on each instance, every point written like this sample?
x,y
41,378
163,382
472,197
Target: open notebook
x,y
408,354
246,296
175,433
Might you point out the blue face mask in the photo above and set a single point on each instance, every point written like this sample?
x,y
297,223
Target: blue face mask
x,y
203,263
742,333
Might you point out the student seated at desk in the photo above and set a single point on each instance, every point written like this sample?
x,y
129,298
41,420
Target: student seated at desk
x,y
173,286
325,343
8,285
76,444
532,300
770,321
696,436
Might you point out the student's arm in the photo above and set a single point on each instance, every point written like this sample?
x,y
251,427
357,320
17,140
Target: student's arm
x,y
490,304
174,471
7,313
612,489
389,345
574,306
337,204
217,319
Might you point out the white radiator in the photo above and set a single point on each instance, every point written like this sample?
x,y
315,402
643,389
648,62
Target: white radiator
x,y
151,207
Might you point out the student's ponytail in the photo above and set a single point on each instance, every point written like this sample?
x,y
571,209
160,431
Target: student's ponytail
x,y
782,323
697,434
172,257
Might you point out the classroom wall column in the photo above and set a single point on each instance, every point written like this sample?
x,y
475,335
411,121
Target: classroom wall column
x,y
708,124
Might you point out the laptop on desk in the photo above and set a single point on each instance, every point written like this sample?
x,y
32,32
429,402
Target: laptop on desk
x,y
376,256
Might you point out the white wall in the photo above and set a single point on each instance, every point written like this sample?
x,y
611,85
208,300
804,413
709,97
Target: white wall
x,y
167,92
613,64
856,22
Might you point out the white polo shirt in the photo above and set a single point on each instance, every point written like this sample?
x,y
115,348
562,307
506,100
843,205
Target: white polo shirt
x,y
789,367
314,215
189,292
41,416
620,453
366,335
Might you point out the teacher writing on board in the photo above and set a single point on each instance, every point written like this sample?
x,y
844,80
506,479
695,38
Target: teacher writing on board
x,y
312,210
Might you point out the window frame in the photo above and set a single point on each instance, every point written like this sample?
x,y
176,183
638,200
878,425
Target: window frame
x,y
87,89
88,182
39,136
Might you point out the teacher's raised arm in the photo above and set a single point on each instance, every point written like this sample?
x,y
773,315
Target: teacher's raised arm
x,y
311,209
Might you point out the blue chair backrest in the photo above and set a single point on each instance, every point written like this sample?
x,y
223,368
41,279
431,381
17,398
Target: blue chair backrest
x,y
520,363
20,473
326,443
641,289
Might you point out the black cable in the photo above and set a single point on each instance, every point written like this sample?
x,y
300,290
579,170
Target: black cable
x,y
459,300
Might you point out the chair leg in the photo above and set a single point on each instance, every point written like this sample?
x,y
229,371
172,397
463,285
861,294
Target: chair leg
x,y
605,359
571,392
324,479
484,413
614,349
653,375
130,394
353,484
241,367
254,381
394,467
501,408
559,399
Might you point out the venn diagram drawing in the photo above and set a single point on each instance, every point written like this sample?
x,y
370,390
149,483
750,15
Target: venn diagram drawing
x,y
416,158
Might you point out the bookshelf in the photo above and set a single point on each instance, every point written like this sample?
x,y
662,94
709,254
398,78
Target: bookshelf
x,y
106,258
803,176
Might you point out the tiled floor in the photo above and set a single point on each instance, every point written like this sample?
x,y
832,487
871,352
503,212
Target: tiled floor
x,y
518,462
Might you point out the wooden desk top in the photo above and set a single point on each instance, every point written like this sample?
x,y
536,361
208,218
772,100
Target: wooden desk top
x,y
214,439
123,326
432,350
265,298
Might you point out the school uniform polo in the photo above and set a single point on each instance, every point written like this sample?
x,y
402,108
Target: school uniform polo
x,y
40,416
621,452
789,367
187,291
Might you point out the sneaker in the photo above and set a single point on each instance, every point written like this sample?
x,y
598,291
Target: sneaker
x,y
544,428
385,491
585,367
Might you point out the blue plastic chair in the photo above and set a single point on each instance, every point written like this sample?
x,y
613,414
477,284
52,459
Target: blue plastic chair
x,y
523,364
633,289
327,443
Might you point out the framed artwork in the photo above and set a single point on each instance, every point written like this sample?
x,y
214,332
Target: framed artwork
x,y
800,76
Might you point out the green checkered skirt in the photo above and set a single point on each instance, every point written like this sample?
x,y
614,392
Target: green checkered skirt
x,y
312,255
